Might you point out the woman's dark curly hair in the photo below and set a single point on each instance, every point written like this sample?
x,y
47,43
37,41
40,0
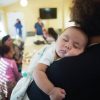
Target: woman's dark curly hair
x,y
86,13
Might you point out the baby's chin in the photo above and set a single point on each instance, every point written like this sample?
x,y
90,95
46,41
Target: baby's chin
x,y
67,55
61,55
73,54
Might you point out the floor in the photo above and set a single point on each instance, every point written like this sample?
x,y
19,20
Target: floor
x,y
29,49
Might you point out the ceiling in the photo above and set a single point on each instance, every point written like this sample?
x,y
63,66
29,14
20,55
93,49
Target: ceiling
x,y
7,2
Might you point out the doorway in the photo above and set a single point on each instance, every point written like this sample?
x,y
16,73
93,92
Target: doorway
x,y
2,28
11,17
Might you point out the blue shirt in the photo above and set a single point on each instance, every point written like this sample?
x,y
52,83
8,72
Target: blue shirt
x,y
18,25
38,27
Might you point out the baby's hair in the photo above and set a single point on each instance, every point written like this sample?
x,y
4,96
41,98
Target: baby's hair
x,y
76,27
4,49
81,30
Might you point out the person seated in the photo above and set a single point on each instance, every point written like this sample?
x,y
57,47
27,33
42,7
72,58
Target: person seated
x,y
9,74
72,42
50,35
17,50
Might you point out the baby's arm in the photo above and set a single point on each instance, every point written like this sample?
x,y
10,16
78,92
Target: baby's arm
x,y
45,85
57,94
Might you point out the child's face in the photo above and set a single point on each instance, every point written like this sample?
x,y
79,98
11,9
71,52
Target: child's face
x,y
9,42
9,54
72,42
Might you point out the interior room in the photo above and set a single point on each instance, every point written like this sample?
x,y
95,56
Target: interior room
x,y
28,14
54,13
33,65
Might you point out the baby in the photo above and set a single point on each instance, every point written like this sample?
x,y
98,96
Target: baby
x,y
71,42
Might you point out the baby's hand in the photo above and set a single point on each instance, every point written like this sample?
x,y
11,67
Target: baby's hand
x,y
57,94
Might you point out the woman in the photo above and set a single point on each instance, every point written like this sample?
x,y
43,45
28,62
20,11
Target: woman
x,y
80,75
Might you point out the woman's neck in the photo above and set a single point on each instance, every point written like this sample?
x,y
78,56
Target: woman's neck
x,y
95,39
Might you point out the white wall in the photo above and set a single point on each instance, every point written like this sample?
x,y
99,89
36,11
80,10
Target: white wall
x,y
2,28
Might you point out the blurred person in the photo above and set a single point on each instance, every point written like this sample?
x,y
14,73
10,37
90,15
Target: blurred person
x,y
16,50
39,27
50,35
9,74
18,26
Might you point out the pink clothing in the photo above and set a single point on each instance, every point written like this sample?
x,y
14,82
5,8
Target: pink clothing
x,y
8,70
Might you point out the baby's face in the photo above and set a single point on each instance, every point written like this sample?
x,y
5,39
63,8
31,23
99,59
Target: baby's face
x,y
72,42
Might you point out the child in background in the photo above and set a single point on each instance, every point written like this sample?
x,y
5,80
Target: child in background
x,y
9,74
71,42
17,51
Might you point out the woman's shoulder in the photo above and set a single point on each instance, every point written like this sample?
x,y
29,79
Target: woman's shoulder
x,y
94,47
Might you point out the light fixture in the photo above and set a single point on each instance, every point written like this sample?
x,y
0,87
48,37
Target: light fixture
x,y
23,3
